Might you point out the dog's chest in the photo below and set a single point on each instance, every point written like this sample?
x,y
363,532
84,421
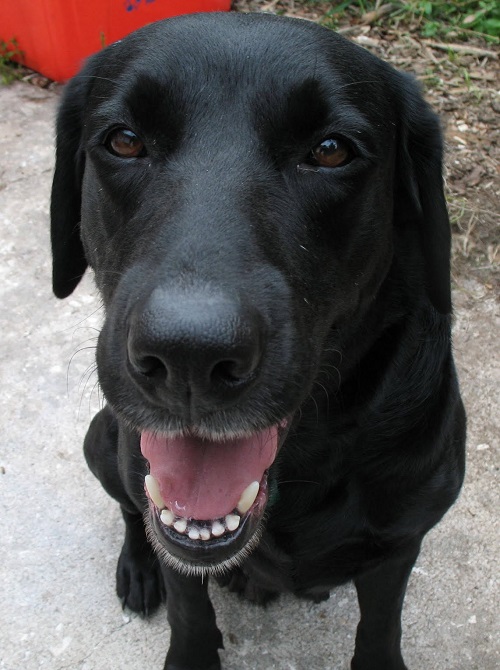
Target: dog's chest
x,y
314,541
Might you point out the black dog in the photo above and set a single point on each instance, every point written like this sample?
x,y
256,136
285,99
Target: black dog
x,y
261,202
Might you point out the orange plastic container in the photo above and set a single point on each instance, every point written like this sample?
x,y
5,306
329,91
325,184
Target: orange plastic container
x,y
56,35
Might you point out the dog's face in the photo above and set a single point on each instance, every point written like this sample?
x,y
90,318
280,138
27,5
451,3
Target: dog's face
x,y
246,188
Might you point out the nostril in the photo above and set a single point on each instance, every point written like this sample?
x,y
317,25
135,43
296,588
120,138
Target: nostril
x,y
141,360
231,372
150,366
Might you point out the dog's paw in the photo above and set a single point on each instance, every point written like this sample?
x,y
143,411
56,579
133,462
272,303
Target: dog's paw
x,y
246,587
376,661
214,666
139,582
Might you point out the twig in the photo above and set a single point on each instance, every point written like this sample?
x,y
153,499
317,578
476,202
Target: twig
x,y
269,5
377,13
463,49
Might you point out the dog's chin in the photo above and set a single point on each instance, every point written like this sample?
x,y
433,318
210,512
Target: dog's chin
x,y
213,556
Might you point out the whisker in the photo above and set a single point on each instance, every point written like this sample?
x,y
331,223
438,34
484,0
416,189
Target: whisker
x,y
78,351
79,323
89,376
86,375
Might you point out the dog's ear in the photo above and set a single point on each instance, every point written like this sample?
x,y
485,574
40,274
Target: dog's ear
x,y
420,186
68,258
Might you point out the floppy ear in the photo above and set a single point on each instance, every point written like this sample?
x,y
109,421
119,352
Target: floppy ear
x,y
419,172
68,258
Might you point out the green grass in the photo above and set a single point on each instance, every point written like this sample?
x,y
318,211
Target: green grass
x,y
10,70
441,19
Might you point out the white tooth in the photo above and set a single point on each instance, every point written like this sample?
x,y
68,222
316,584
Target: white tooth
x,y
167,517
180,525
232,521
154,491
217,528
204,533
194,533
248,498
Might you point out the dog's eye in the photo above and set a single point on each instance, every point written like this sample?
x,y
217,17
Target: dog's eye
x,y
125,143
331,153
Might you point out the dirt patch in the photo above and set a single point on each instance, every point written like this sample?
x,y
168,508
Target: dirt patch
x,y
462,81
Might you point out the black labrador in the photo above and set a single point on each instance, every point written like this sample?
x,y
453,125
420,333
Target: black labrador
x,y
261,202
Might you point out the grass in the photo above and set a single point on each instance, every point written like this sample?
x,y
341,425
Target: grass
x,y
467,16
10,70
441,19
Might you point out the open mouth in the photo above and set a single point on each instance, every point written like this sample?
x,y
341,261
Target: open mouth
x,y
207,497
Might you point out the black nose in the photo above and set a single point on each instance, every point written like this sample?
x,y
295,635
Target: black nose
x,y
194,351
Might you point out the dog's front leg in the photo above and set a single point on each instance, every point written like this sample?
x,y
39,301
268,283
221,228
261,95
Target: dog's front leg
x,y
195,637
381,593
139,582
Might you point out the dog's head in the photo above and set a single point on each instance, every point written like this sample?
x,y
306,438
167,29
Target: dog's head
x,y
249,191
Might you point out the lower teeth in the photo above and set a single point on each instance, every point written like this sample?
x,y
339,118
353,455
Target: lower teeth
x,y
180,525
203,530
216,528
204,533
194,534
167,517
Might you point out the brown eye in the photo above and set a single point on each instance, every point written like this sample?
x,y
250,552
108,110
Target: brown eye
x,y
331,153
125,143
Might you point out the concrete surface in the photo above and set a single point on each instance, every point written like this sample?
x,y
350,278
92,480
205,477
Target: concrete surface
x,y
60,534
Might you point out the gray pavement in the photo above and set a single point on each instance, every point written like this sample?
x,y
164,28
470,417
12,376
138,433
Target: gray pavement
x,y
60,534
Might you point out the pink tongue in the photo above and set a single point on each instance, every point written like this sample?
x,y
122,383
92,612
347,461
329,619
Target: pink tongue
x,y
200,479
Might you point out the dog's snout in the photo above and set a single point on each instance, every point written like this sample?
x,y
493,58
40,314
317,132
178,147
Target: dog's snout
x,y
196,351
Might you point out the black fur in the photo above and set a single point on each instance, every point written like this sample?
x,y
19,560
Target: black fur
x,y
337,280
